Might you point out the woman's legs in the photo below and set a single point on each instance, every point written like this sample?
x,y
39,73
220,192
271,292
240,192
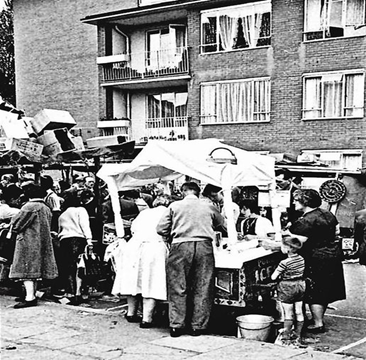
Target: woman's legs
x,y
148,306
30,295
132,302
318,311
30,289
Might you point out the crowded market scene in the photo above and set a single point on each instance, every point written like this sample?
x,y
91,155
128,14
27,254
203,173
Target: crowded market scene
x,y
197,236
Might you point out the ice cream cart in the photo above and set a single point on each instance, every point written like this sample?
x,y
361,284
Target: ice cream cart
x,y
239,269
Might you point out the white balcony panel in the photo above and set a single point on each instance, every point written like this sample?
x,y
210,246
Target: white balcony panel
x,y
101,60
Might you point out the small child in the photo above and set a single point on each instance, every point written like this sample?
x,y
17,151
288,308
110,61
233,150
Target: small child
x,y
291,289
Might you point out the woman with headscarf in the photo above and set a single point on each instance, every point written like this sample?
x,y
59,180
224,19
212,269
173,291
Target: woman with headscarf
x,y
322,253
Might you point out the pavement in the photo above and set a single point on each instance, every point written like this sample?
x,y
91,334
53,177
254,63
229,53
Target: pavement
x,y
59,332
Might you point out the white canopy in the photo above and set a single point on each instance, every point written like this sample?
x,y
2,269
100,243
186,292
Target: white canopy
x,y
165,160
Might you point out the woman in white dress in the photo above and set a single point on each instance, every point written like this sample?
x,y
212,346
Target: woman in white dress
x,y
141,269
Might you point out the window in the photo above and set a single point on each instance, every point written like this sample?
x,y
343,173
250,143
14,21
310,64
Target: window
x,y
333,95
235,101
167,116
165,47
236,27
334,18
166,106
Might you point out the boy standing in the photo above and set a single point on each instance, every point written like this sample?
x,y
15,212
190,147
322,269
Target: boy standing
x,y
291,289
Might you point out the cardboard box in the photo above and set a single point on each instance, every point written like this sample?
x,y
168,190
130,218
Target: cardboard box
x,y
30,149
78,142
11,127
49,119
56,141
5,143
103,141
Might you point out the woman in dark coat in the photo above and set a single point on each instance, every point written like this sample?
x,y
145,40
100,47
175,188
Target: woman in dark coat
x,y
33,256
322,254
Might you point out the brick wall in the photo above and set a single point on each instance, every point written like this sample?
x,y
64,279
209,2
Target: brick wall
x,y
55,56
56,68
285,62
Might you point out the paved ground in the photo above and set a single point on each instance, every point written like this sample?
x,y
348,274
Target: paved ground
x,y
59,332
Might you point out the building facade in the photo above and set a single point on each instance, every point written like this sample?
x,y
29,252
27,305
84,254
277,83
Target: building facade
x,y
271,76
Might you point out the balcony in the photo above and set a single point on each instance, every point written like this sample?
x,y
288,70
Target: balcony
x,y
169,128
155,66
115,127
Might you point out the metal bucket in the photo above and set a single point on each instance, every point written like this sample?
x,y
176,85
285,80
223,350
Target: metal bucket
x,y
254,327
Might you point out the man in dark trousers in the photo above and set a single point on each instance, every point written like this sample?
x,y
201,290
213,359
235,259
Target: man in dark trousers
x,y
191,224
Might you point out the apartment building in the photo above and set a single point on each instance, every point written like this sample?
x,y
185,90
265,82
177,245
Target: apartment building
x,y
272,76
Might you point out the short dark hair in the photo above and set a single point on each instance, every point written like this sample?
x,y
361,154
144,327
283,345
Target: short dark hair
x,y
191,186
209,189
308,197
251,205
11,192
33,191
46,182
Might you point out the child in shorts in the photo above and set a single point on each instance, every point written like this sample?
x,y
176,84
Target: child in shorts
x,y
291,289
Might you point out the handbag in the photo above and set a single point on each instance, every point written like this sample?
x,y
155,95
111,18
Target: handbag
x,y
7,244
89,267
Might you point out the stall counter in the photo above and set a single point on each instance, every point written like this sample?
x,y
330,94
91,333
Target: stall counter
x,y
242,276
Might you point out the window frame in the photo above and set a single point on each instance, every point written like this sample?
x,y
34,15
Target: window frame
x,y
342,73
217,11
267,113
344,25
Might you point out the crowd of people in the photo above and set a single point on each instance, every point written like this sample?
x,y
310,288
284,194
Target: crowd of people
x,y
168,251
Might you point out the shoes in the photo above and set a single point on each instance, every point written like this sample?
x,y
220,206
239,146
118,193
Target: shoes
x,y
75,300
25,304
176,332
146,325
315,329
299,344
197,332
133,318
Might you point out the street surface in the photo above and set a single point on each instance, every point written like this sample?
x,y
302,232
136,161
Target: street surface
x,y
99,331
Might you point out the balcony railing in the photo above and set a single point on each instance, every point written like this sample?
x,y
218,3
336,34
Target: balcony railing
x,y
169,128
156,64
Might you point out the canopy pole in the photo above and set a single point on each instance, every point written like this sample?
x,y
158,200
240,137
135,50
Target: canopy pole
x,y
276,214
113,192
229,213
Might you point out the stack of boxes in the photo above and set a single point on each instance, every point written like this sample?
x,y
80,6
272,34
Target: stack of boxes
x,y
44,136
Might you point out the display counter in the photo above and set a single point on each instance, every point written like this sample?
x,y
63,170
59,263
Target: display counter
x,y
243,271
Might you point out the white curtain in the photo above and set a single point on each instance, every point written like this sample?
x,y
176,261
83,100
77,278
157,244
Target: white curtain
x,y
228,31
332,98
235,102
354,95
313,15
355,12
251,28
261,101
208,104
312,98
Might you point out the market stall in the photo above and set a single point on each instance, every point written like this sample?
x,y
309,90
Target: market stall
x,y
241,266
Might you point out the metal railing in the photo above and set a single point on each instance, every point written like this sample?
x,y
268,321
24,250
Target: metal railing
x,y
157,64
